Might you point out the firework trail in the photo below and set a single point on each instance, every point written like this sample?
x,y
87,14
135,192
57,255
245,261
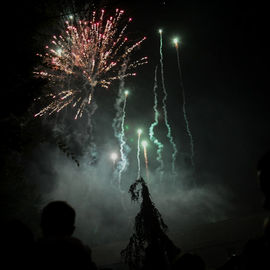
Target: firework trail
x,y
154,124
86,56
118,125
144,144
169,134
92,146
138,153
184,104
123,161
119,100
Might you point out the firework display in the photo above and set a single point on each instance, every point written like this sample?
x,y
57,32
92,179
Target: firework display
x,y
87,55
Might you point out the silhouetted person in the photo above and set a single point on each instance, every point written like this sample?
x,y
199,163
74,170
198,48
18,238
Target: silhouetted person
x,y
263,172
58,249
256,252
17,243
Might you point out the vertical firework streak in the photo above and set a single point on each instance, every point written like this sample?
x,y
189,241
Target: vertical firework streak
x,y
151,129
169,134
118,125
184,106
146,160
92,146
122,143
138,154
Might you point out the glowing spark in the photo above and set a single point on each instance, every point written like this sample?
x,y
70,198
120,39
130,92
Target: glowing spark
x,y
59,51
114,157
176,41
144,143
88,54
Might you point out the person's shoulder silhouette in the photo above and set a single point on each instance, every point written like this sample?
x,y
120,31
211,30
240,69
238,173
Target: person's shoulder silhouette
x,y
17,242
263,172
189,261
255,253
58,249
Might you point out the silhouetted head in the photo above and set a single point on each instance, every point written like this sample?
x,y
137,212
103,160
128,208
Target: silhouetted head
x,y
58,219
263,172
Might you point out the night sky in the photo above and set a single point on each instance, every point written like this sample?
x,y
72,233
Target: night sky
x,y
222,55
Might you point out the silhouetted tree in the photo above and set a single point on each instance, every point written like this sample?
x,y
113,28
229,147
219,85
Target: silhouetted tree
x,y
149,247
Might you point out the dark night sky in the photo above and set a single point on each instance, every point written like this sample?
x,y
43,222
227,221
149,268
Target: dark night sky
x,y
224,70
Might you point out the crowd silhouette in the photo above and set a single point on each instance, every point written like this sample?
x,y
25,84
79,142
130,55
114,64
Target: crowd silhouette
x,y
57,248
